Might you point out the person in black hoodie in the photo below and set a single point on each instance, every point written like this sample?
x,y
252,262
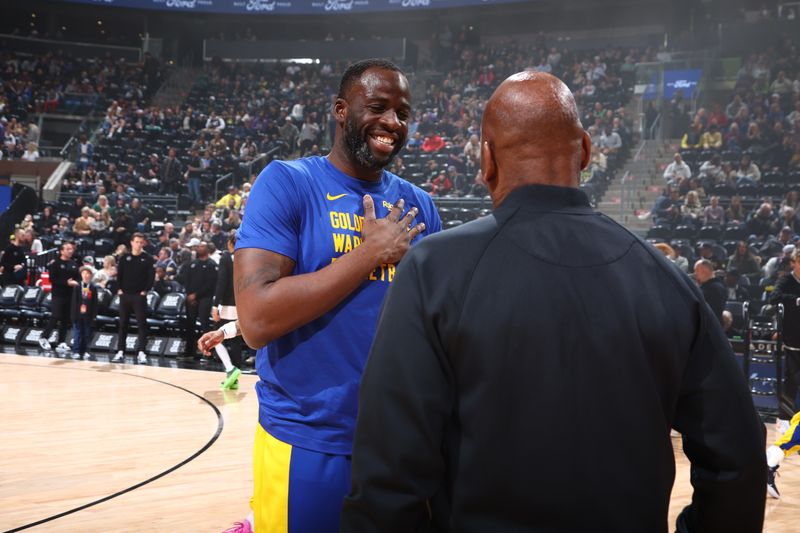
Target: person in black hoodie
x,y
83,310
63,272
712,287
135,276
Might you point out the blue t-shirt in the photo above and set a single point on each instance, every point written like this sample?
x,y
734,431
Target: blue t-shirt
x,y
311,212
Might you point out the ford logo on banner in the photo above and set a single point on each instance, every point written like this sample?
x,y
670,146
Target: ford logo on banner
x,y
681,80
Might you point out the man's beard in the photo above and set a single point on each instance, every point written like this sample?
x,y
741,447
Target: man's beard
x,y
358,147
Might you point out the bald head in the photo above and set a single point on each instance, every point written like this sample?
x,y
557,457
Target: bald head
x,y
531,133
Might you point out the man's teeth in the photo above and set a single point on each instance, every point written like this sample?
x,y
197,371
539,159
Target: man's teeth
x,y
385,140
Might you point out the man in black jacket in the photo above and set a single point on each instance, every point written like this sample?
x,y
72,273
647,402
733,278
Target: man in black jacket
x,y
135,276
63,271
200,280
787,292
495,337
712,287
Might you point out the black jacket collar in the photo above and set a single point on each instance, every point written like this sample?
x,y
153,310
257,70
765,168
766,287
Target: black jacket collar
x,y
545,198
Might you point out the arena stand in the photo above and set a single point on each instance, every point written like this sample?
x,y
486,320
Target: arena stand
x,y
744,152
238,117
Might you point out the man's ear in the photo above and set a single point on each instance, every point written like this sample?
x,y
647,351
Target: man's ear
x,y
586,147
488,166
339,110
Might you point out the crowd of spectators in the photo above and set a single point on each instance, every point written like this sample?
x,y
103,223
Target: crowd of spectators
x,y
56,82
235,112
732,190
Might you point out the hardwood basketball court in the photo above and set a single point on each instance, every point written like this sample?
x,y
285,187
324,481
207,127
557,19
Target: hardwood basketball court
x,y
88,446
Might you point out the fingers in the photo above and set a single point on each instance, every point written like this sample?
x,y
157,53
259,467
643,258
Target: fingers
x,y
409,218
369,208
416,230
396,210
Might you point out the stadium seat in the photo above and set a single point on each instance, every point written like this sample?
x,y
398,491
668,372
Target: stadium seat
x,y
9,301
31,303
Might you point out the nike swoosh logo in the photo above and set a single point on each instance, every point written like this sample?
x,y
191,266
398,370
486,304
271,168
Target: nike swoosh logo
x,y
329,197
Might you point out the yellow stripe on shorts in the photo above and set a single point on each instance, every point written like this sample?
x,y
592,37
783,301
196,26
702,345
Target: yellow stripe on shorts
x,y
270,503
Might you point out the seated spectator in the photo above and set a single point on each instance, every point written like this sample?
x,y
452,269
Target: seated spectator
x,y
162,285
232,194
232,221
460,184
433,143
692,139
667,209
46,223
441,184
101,226
748,172
733,137
13,263
164,261
714,214
677,170
735,292
188,233
735,214
472,152
760,224
711,172
712,139
792,199
31,152
106,276
415,141
789,219
706,253
83,224
610,140
743,260
123,227
774,264
692,210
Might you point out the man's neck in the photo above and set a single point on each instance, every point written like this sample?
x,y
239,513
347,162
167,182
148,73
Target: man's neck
x,y
136,252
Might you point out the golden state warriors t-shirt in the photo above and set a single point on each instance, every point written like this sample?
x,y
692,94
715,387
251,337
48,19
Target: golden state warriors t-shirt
x,y
311,212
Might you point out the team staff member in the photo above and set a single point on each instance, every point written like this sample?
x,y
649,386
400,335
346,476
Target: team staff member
x,y
787,292
135,276
316,251
63,272
200,281
496,337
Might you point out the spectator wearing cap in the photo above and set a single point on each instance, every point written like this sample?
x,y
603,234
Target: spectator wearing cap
x,y
735,292
773,264
760,224
707,254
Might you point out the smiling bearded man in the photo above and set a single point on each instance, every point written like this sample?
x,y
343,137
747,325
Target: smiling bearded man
x,y
316,252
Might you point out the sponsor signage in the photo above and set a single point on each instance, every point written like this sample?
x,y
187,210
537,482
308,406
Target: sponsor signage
x,y
290,7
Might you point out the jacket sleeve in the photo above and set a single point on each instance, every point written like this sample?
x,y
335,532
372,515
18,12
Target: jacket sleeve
x,y
151,274
780,295
209,284
222,278
722,436
404,402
